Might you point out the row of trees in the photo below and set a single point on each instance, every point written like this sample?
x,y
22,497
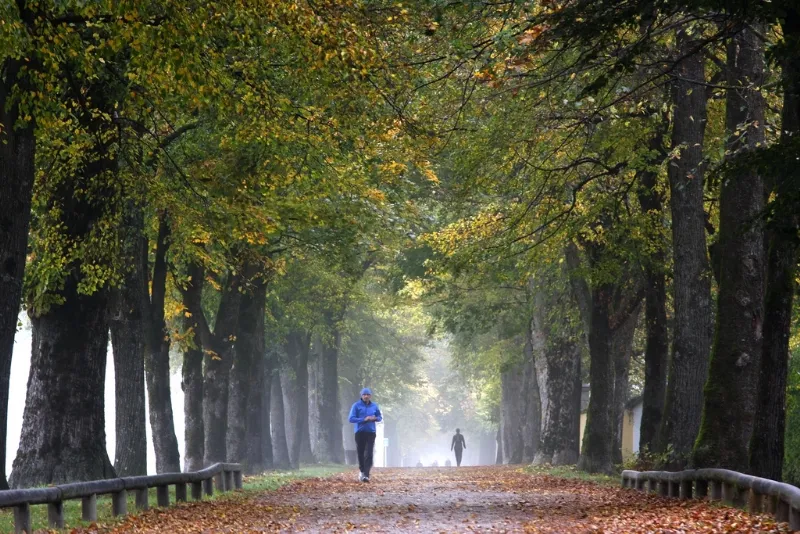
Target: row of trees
x,y
214,180
614,167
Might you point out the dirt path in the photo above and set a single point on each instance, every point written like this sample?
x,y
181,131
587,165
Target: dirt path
x,y
467,499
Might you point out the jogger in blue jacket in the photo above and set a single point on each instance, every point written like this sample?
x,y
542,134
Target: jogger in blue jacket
x,y
364,414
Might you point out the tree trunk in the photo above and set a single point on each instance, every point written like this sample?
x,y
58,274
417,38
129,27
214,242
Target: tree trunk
x,y
657,336
289,389
156,362
511,414
192,383
128,334
498,459
266,414
331,446
313,400
532,419
732,388
622,348
17,158
558,370
298,345
63,430
248,347
280,450
692,284
596,453
219,353
767,445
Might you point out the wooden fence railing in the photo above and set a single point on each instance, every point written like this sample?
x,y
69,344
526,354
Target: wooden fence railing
x,y
224,476
779,499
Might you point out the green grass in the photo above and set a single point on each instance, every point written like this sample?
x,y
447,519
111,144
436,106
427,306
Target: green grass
x,y
571,471
268,481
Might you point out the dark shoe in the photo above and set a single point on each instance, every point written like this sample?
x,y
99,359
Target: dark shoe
x,y
365,479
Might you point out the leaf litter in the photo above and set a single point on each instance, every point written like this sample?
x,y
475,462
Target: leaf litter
x,y
463,500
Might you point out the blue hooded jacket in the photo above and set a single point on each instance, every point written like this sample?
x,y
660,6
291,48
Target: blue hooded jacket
x,y
359,411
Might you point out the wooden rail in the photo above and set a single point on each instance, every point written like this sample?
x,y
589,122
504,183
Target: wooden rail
x,y
224,476
779,499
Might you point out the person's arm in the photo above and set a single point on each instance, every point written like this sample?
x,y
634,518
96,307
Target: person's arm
x,y
463,441
378,416
354,415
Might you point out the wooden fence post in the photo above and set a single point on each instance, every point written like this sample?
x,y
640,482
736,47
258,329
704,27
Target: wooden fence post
x,y
89,508
22,518
55,514
119,503
162,495
180,492
142,499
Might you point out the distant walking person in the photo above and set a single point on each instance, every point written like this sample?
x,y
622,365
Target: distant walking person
x,y
458,444
364,414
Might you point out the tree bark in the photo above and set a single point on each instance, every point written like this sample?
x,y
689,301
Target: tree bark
x,y
511,414
498,459
767,445
17,159
731,391
219,352
331,446
192,381
656,354
289,389
557,363
622,348
280,450
297,349
314,426
63,429
159,396
532,417
251,312
128,333
596,453
692,284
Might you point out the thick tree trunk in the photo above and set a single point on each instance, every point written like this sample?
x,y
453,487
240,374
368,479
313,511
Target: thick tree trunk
x,y
622,349
532,417
558,370
219,350
557,358
692,284
280,450
156,364
128,334
266,414
656,356
767,445
511,414
192,384
248,347
732,388
63,429
17,157
596,452
298,345
257,432
289,389
331,446
313,400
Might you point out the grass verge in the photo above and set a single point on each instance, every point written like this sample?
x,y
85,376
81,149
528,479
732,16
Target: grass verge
x,y
571,471
269,481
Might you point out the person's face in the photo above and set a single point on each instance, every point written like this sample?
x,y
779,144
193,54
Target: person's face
x,y
366,397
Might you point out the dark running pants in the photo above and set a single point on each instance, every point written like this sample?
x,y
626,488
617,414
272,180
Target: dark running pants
x,y
365,443
458,456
